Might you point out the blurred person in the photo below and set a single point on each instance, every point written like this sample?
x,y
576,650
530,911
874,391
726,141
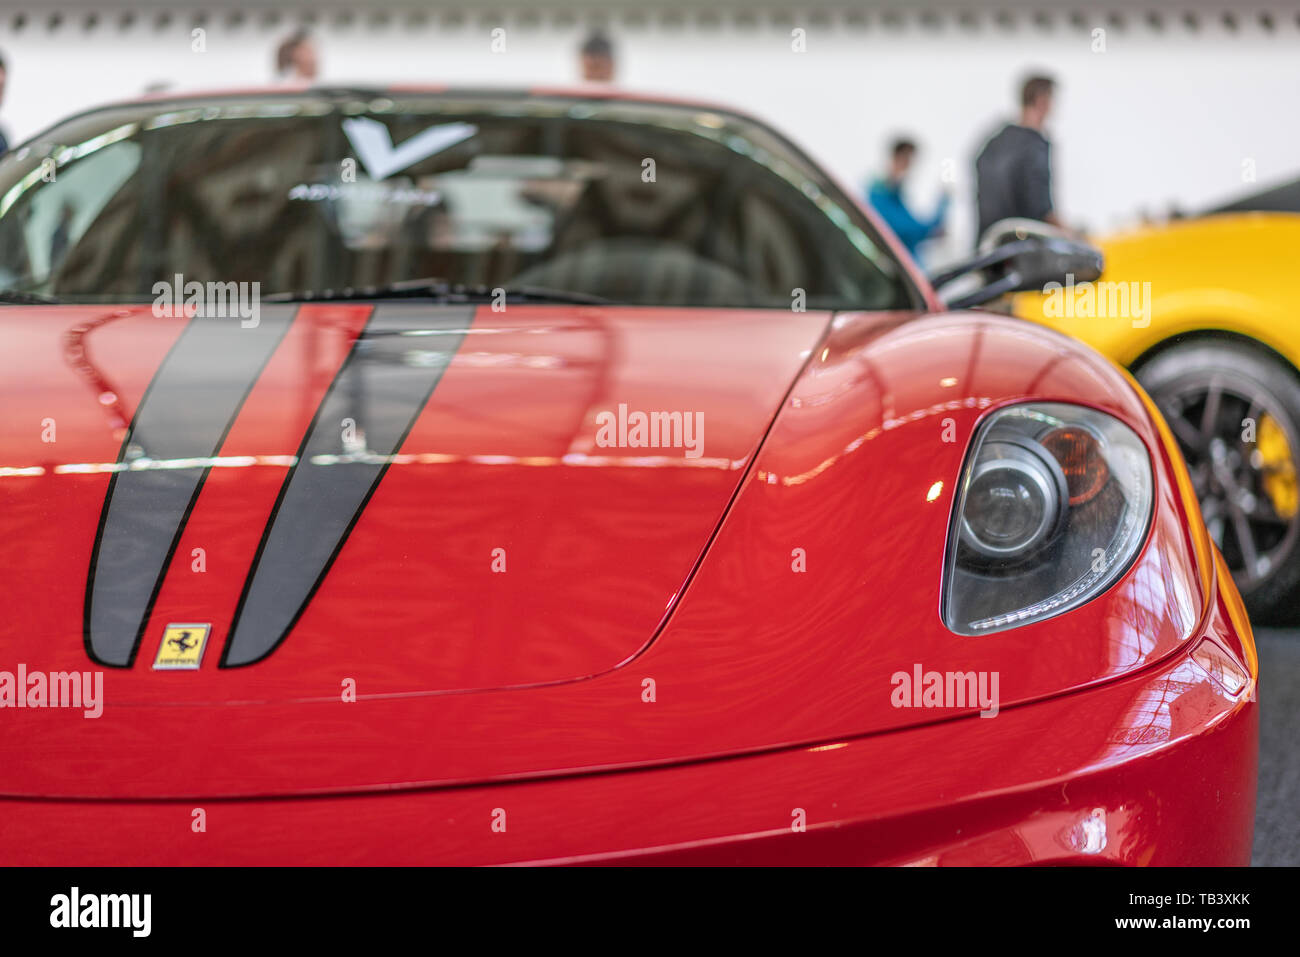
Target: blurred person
x,y
1013,172
296,60
4,70
596,56
886,197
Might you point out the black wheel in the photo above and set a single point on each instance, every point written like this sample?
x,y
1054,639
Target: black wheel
x,y
1235,411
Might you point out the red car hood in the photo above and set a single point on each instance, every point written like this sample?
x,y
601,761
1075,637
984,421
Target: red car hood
x,y
421,541
498,533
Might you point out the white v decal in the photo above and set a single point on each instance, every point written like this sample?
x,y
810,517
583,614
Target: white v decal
x,y
382,159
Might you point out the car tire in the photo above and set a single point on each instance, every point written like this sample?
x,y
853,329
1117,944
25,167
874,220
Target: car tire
x,y
1246,488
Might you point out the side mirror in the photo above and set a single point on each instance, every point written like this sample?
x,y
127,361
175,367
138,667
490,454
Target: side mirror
x,y
1022,265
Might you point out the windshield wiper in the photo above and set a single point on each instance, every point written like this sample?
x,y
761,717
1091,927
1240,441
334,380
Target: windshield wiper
x,y
16,297
440,291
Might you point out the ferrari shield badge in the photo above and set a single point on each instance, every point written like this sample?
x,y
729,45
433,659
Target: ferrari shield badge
x,y
182,647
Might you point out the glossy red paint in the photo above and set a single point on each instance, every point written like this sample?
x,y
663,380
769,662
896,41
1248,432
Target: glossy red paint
x,y
759,672
597,542
1128,727
1156,768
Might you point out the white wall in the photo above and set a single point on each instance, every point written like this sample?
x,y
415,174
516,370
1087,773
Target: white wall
x,y
1169,115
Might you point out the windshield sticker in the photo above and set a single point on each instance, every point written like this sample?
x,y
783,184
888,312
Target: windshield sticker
x,y
375,149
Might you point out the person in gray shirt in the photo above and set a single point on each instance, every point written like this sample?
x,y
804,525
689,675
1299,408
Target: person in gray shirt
x,y
1013,172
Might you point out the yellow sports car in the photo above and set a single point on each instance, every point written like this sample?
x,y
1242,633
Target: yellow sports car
x,y
1204,313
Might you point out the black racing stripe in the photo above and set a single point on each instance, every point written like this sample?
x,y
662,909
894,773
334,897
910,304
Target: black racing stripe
x,y
383,387
185,413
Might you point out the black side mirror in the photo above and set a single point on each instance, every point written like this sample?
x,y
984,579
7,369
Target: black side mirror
x,y
1021,265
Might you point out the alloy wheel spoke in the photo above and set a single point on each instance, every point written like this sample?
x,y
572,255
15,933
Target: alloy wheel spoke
x,y
1210,414
1186,433
1245,539
1266,515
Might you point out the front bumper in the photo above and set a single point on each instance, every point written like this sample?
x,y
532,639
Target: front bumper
x,y
1157,767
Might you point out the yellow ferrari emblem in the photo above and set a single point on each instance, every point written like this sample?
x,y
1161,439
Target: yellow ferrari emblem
x,y
182,647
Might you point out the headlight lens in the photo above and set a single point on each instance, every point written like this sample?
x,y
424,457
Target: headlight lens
x,y
1054,504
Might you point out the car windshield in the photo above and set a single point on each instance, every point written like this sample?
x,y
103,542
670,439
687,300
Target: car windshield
x,y
624,201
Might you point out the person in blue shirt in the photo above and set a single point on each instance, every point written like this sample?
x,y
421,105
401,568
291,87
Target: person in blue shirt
x,y
886,197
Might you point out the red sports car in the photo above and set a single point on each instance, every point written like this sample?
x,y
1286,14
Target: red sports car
x,y
421,476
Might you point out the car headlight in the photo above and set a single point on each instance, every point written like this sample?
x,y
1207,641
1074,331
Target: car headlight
x,y
1053,507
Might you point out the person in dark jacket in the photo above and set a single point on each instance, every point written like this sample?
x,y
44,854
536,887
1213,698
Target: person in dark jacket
x,y
1013,172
